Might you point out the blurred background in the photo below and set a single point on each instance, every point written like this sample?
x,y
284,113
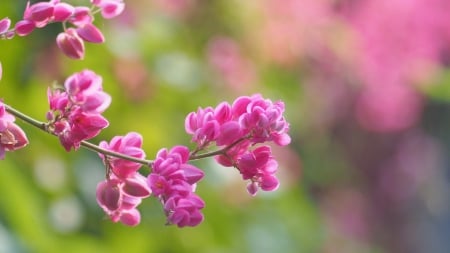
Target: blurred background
x,y
366,85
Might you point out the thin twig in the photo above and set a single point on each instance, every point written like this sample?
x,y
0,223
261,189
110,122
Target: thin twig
x,y
85,144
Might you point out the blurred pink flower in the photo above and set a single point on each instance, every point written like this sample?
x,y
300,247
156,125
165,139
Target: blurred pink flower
x,y
226,59
12,137
400,43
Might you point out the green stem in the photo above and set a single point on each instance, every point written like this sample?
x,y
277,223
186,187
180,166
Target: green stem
x,y
220,151
96,148
85,144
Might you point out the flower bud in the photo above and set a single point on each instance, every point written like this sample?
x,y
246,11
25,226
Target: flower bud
x,y
90,33
39,13
71,44
62,12
5,23
24,27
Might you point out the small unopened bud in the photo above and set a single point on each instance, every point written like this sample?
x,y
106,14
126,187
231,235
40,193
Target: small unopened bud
x,y
71,44
5,23
90,33
24,27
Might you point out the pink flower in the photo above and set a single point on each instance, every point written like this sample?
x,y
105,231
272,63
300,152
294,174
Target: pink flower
x,y
24,27
81,16
39,13
227,60
12,137
70,44
184,211
62,12
109,8
5,23
259,166
235,128
90,33
85,90
173,181
131,145
119,198
75,114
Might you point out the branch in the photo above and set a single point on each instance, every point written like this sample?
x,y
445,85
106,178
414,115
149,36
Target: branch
x,y
85,144
220,151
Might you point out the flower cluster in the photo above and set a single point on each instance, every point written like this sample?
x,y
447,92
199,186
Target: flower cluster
x,y
75,112
173,181
12,137
124,188
81,19
239,127
75,116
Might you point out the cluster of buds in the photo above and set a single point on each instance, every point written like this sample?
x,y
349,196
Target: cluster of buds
x,y
237,128
75,111
173,182
124,188
81,18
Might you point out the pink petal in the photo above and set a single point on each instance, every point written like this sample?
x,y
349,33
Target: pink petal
x,y
131,217
136,188
62,12
252,188
192,173
108,195
24,27
20,138
112,9
41,13
5,23
71,44
81,16
133,139
222,113
269,183
282,139
90,33
229,132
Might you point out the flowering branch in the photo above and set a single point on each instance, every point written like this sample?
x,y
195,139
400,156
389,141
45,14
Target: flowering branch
x,y
239,130
44,127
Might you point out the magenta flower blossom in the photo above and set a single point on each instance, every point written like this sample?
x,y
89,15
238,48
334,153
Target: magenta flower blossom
x,y
62,12
131,145
259,167
71,40
39,13
109,8
70,44
5,23
124,188
5,32
119,198
238,127
173,181
24,27
90,33
12,137
75,114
